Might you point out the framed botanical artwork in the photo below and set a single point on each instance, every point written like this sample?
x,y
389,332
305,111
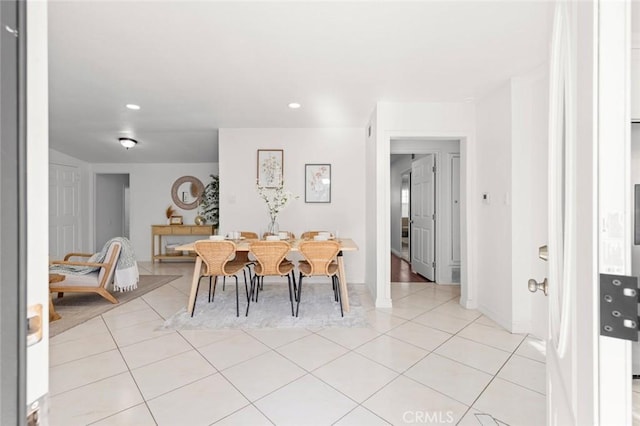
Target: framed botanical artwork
x,y
270,167
317,188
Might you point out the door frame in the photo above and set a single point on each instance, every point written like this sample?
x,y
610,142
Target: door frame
x,y
13,270
468,290
612,136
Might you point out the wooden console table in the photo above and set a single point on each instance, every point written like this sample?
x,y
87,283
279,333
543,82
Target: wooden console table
x,y
160,231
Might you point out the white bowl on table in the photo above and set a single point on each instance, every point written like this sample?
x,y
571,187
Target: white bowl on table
x,y
216,237
273,238
321,237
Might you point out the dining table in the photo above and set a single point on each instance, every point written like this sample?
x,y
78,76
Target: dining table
x,y
346,245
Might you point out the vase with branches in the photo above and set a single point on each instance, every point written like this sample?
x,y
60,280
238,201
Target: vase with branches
x,y
209,202
276,199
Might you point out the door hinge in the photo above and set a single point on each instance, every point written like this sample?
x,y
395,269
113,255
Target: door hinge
x,y
433,217
433,264
434,169
619,307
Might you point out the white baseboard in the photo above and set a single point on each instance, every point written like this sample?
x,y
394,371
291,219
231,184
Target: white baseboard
x,y
396,252
494,316
383,302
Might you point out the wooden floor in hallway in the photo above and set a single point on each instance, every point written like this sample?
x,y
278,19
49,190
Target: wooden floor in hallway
x,y
401,272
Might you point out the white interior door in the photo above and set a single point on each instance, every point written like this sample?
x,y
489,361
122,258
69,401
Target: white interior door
x,y
423,216
64,210
560,346
588,375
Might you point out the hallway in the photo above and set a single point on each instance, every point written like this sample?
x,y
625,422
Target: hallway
x,y
401,272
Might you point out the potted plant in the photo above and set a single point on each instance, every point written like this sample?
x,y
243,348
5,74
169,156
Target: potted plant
x,y
209,202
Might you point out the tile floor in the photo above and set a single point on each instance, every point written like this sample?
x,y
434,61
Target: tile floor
x,y
427,360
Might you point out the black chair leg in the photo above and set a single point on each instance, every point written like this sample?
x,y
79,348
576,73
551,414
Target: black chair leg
x,y
196,299
290,296
251,290
245,283
215,283
299,293
210,289
259,286
224,283
237,298
295,289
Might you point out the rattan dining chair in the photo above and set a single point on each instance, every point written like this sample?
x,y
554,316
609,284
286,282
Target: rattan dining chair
x,y
216,257
308,235
318,260
270,261
243,256
290,235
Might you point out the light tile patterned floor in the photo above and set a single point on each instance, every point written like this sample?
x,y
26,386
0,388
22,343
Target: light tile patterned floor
x,y
426,360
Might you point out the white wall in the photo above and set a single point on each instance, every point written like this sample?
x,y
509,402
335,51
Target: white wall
x,y
529,181
150,192
428,120
512,123
374,269
494,216
110,206
37,214
242,209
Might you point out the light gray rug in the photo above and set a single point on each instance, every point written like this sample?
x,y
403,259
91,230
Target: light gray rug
x,y
76,308
273,309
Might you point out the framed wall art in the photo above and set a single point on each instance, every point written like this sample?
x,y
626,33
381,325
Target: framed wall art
x,y
317,188
270,167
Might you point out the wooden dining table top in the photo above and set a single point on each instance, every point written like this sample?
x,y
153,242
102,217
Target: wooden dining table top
x,y
346,244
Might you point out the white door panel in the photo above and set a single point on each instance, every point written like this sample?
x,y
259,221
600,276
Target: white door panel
x,y
422,216
559,347
64,212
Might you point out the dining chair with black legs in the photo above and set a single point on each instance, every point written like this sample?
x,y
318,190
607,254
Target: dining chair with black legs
x,y
218,259
243,256
270,261
319,260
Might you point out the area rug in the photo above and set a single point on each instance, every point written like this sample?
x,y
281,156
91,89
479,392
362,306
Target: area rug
x,y
76,308
273,309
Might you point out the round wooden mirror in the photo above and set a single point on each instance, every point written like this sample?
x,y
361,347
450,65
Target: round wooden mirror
x,y
186,192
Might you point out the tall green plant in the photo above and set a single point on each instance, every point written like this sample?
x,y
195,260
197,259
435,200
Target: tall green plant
x,y
209,202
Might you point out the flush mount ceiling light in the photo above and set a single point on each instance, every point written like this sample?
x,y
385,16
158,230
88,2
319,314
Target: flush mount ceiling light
x,y
128,142
294,105
133,106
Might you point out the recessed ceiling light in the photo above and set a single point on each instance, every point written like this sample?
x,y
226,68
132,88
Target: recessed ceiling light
x,y
294,105
133,106
128,142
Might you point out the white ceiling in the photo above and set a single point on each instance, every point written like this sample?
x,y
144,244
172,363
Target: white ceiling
x,y
195,67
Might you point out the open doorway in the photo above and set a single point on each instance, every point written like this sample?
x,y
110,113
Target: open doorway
x,y
425,210
112,207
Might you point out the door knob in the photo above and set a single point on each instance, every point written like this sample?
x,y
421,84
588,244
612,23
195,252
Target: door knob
x,y
535,286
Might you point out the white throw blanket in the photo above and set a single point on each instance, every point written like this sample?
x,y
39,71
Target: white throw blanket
x,y
126,275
